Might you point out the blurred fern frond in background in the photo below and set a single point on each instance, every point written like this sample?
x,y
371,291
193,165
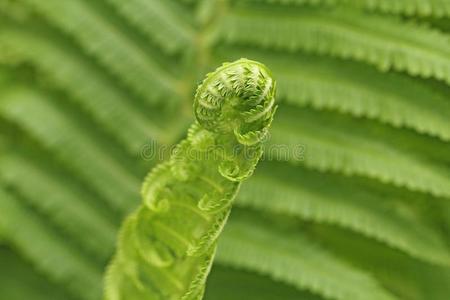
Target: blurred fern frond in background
x,y
354,204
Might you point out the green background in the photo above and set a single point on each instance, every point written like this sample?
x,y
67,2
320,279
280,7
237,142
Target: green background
x,y
353,205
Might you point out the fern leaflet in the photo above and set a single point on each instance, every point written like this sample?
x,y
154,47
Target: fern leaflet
x,y
294,259
384,42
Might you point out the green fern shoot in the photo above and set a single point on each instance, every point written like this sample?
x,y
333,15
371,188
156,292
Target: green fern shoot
x,y
166,247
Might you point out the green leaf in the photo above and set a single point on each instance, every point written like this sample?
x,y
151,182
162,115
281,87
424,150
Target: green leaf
x,y
159,21
352,88
347,203
227,283
435,8
294,259
125,60
22,282
48,253
384,42
61,202
351,146
409,279
61,135
91,90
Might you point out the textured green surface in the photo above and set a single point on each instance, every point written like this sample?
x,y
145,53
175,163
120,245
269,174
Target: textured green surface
x,y
354,185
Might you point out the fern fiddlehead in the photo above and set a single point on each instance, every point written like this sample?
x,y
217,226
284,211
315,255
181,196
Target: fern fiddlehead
x,y
167,245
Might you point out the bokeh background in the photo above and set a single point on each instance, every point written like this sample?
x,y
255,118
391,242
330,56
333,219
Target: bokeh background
x,y
90,90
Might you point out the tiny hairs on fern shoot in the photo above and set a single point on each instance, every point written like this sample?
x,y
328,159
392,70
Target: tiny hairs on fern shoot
x,y
166,247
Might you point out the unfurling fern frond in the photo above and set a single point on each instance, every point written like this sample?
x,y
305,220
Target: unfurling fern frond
x,y
166,247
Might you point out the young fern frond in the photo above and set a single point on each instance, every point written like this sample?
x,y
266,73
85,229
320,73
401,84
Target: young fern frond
x,y
167,245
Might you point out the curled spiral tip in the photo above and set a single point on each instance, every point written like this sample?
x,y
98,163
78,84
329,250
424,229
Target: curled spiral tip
x,y
239,98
